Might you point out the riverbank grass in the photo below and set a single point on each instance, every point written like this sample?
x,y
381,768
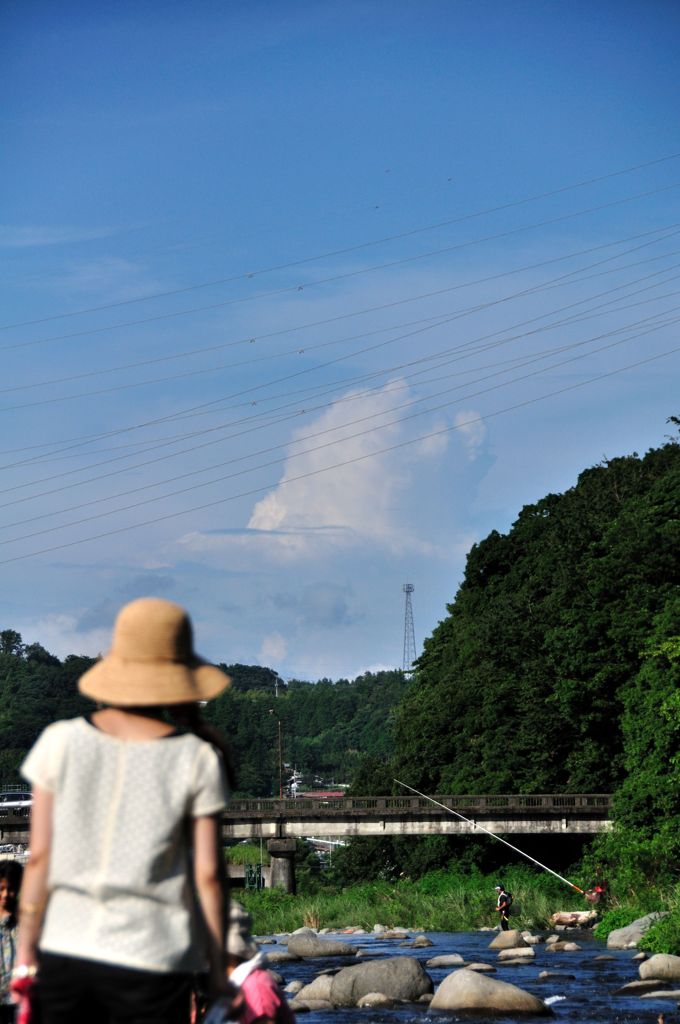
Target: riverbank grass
x,y
440,901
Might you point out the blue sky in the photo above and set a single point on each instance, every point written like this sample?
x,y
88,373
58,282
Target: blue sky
x,y
300,300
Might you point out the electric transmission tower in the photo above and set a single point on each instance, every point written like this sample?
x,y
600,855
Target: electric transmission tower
x,y
409,634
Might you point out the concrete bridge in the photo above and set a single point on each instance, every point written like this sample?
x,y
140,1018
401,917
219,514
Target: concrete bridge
x,y
280,822
336,817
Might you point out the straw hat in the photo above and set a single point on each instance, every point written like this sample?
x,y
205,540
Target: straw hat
x,y
240,942
152,660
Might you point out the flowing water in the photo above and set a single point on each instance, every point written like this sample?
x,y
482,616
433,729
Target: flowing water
x,y
583,995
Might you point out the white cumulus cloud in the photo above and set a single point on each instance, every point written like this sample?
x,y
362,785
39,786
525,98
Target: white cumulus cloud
x,y
473,430
273,649
61,635
355,500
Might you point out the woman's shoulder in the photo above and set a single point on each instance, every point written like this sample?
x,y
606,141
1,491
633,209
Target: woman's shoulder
x,y
57,732
41,766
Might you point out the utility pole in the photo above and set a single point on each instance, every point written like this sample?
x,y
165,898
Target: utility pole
x,y
280,762
409,633
280,745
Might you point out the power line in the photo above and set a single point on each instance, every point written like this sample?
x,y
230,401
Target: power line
x,y
348,249
440,320
518,364
250,340
326,469
333,279
463,350
398,421
84,439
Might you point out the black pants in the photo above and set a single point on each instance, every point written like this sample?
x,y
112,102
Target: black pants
x,y
73,991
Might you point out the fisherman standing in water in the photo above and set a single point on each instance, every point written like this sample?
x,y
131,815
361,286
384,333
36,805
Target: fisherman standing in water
x,y
503,904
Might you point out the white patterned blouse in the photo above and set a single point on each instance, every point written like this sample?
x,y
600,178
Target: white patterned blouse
x,y
119,881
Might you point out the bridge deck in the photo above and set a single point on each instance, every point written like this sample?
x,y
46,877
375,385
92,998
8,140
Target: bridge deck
x,y
540,813
411,815
521,803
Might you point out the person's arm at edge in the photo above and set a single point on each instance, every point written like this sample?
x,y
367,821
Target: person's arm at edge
x,y
34,886
210,879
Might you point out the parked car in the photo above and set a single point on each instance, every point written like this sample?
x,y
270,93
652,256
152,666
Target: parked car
x,y
15,802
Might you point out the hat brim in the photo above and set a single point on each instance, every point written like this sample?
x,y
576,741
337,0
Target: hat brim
x,y
122,683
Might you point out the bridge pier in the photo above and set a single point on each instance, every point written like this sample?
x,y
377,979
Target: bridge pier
x,y
282,853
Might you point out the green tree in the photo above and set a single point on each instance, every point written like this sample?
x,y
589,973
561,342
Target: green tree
x,y
10,642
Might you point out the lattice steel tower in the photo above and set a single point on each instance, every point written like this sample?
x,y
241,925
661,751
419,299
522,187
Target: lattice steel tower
x,y
409,634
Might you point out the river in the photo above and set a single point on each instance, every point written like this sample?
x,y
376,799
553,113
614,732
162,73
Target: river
x,y
584,999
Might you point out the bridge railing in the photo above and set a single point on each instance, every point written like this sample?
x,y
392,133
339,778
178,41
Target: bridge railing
x,y
469,805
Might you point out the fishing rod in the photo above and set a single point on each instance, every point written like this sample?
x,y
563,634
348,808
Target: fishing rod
x,y
492,834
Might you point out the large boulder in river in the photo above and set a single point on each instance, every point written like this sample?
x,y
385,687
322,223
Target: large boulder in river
x,y
466,990
320,988
628,937
312,945
664,966
508,940
400,977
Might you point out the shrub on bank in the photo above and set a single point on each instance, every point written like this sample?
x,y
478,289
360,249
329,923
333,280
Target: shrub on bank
x,y
663,936
617,918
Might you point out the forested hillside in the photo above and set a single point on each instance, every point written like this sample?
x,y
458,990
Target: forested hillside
x,y
35,689
325,726
531,682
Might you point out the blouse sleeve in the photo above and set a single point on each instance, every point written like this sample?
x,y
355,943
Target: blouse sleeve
x,y
211,792
44,761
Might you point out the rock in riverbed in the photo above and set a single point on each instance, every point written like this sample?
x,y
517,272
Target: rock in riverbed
x,y
400,977
281,957
574,918
638,988
301,1006
449,960
320,988
512,939
376,999
661,965
628,937
523,953
466,990
311,945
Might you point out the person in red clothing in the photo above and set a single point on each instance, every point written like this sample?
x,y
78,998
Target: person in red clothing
x,y
263,1000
